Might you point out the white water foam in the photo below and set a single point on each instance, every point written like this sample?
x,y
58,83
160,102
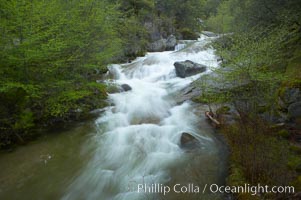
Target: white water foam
x,y
138,137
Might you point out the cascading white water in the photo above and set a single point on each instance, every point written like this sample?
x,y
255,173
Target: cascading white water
x,y
178,47
138,136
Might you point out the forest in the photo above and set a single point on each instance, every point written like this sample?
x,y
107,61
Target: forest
x,y
53,54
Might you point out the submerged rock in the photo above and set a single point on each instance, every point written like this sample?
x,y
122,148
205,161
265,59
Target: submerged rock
x,y
188,141
188,68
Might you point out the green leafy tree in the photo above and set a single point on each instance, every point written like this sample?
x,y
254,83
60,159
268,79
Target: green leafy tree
x,y
51,54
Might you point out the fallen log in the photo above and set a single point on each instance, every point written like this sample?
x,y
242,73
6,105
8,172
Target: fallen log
x,y
208,115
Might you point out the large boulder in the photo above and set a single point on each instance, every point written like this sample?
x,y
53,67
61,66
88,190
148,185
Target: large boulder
x,y
188,68
188,141
171,42
157,46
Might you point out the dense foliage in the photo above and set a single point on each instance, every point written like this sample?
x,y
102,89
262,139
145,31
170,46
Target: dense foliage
x,y
260,52
52,53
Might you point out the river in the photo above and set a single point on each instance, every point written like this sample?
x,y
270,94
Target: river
x,y
132,150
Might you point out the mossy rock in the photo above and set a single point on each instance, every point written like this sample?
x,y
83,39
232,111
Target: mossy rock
x,y
113,88
198,99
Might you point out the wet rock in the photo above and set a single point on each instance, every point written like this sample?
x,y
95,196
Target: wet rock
x,y
188,68
188,141
219,59
97,112
171,42
126,87
188,93
115,88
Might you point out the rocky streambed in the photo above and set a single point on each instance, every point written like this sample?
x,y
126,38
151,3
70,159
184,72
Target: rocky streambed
x,y
145,137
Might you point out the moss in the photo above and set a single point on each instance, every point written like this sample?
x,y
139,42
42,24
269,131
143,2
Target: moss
x,y
223,110
294,162
281,91
263,109
113,88
197,99
297,183
236,176
188,34
258,157
25,120
283,133
295,149
294,66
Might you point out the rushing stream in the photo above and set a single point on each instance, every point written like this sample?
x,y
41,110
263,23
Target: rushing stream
x,y
133,150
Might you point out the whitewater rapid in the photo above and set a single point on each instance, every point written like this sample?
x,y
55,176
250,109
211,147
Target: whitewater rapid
x,y
138,136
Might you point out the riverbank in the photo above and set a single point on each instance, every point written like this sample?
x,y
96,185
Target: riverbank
x,y
255,108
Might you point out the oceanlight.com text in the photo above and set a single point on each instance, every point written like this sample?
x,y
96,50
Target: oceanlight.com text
x,y
251,189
